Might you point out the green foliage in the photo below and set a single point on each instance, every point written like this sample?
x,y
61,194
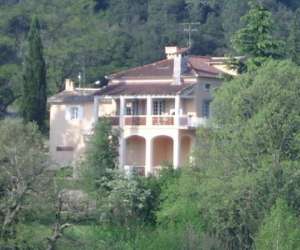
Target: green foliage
x,y
23,175
255,39
279,229
129,33
102,153
179,189
122,199
294,39
244,161
256,119
34,99
155,185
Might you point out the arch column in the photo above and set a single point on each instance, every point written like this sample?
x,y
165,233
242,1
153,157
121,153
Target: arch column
x,y
176,150
122,150
149,156
96,109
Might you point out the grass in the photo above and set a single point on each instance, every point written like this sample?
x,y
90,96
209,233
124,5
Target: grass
x,y
101,237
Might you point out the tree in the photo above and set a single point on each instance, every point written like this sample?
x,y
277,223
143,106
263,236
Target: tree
x,y
280,229
22,172
122,199
6,96
246,159
102,153
34,98
294,39
250,157
255,40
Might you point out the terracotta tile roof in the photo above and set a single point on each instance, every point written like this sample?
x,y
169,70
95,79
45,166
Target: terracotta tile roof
x,y
142,89
163,68
76,96
202,65
195,65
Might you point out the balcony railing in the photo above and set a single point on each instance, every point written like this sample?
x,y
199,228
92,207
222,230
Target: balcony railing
x,y
137,170
143,120
135,120
163,120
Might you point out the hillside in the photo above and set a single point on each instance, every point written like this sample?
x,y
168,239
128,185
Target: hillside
x,y
98,37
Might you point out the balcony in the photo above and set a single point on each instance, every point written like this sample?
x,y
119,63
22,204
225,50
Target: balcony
x,y
162,120
184,121
135,120
151,112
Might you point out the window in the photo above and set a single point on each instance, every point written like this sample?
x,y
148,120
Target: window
x,y
206,86
206,108
132,108
159,107
73,113
64,148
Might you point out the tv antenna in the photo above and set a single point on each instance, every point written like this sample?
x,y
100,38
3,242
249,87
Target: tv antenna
x,y
189,28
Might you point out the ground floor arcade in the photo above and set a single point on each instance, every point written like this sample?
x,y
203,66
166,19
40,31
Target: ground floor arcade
x,y
147,151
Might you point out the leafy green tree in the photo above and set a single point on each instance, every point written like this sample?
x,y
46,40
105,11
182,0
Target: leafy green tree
x,y
23,174
34,98
279,230
245,160
102,153
122,200
255,40
6,96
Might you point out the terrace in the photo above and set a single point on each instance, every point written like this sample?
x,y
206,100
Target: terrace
x,y
150,111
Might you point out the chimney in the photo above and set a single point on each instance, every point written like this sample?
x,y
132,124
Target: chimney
x,y
175,53
69,85
177,69
171,51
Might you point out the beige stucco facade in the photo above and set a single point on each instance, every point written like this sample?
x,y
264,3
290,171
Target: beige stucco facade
x,y
68,137
150,135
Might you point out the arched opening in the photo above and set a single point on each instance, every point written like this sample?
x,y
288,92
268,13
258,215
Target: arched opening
x,y
162,151
135,153
186,147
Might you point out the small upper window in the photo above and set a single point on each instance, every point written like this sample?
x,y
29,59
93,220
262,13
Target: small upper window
x,y
206,86
206,108
74,113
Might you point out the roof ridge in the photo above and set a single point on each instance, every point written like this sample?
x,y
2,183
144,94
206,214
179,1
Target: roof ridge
x,y
141,66
187,87
208,57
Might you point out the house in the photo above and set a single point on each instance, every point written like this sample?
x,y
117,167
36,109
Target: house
x,y
157,107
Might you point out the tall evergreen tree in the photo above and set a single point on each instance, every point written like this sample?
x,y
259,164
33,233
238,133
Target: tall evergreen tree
x,y
294,38
255,40
33,105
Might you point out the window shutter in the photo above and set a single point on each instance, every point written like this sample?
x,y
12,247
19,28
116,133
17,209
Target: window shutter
x,y
80,112
68,113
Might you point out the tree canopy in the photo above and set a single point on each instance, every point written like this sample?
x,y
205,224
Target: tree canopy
x,y
95,38
34,87
246,160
